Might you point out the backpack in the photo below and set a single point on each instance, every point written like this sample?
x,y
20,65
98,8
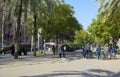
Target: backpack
x,y
62,47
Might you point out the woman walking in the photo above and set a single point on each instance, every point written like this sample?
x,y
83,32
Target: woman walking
x,y
98,51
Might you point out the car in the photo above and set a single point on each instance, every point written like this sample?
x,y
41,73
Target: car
x,y
69,48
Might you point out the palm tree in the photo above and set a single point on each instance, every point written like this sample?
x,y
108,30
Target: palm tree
x,y
19,15
17,7
6,8
34,9
109,7
110,10
37,10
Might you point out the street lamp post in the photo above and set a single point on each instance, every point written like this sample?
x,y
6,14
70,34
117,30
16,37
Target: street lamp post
x,y
32,42
39,37
2,31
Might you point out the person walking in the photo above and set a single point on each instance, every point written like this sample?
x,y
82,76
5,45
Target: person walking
x,y
109,51
98,51
63,51
88,51
53,49
60,50
105,53
83,49
91,51
114,51
85,52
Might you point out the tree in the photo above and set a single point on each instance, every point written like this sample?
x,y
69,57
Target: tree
x,y
103,31
110,17
34,7
6,7
82,37
46,14
40,11
19,12
109,7
62,24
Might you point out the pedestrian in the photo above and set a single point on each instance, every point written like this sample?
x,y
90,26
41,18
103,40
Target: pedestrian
x,y
88,51
114,51
85,52
53,49
98,51
60,50
91,51
63,51
109,51
83,49
105,53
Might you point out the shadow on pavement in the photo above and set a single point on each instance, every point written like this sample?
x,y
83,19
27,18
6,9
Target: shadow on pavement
x,y
9,60
87,73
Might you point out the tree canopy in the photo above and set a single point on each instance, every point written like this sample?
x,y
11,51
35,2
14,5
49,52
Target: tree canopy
x,y
107,24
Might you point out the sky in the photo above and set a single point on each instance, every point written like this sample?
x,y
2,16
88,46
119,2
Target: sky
x,y
85,11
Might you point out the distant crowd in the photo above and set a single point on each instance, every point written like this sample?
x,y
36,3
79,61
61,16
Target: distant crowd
x,y
92,51
89,51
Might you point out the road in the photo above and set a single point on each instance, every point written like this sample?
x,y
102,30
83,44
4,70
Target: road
x,y
53,66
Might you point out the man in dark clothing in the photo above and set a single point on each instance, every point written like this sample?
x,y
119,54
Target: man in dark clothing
x,y
63,49
53,49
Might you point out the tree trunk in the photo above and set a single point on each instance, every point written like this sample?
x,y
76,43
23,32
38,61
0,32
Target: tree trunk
x,y
56,38
56,42
35,34
17,31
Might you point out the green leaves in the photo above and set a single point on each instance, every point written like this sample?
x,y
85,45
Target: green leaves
x,y
107,23
81,36
109,6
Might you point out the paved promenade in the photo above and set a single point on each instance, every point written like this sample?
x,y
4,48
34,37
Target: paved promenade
x,y
53,66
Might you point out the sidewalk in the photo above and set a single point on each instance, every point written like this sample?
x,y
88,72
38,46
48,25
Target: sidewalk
x,y
53,66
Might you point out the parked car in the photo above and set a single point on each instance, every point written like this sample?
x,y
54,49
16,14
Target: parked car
x,y
69,48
